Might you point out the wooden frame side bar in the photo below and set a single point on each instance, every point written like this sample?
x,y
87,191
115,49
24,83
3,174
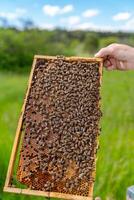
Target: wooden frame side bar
x,y
100,60
18,133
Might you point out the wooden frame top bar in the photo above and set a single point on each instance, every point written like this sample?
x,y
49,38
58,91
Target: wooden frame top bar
x,y
71,58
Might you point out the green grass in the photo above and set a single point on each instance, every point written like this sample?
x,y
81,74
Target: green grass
x,y
115,165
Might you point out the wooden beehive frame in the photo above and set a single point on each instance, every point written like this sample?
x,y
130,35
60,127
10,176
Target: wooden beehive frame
x,y
8,187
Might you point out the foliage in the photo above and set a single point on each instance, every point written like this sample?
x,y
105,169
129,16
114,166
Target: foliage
x,y
108,40
91,43
17,48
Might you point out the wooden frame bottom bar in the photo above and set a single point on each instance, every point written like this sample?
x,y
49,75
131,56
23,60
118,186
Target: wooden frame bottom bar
x,y
46,194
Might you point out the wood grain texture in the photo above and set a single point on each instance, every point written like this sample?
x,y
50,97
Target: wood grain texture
x,y
18,133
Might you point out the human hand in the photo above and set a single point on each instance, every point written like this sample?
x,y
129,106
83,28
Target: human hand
x,y
97,198
117,56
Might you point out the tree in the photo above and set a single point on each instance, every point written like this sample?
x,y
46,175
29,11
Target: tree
x,y
27,23
4,22
108,40
91,43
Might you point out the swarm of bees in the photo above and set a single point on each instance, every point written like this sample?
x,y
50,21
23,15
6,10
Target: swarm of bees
x,y
61,126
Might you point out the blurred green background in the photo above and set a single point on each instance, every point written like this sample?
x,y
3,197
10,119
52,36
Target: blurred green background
x,y
115,164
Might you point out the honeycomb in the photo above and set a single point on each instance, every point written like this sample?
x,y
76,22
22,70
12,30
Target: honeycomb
x,y
61,126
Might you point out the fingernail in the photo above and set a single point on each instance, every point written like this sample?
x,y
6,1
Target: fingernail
x,y
96,55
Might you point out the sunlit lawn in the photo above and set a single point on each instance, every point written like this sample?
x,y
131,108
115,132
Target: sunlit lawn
x,y
115,165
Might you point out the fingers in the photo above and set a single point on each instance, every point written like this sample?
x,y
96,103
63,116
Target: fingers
x,y
103,52
120,65
123,65
107,51
110,63
114,64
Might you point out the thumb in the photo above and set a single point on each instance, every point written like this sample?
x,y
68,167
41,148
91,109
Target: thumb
x,y
107,51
